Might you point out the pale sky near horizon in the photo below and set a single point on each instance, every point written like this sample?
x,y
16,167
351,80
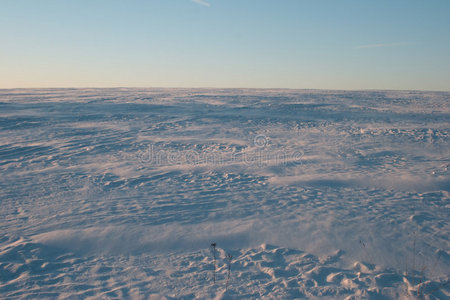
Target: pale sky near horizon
x,y
318,44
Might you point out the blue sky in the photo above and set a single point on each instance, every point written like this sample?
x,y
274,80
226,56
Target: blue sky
x,y
348,44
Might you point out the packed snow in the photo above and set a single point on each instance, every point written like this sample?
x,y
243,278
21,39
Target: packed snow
x,y
120,193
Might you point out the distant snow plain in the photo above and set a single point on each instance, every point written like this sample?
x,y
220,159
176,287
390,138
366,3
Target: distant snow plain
x,y
119,193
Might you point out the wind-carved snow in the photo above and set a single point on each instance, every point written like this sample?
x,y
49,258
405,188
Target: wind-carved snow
x,y
119,193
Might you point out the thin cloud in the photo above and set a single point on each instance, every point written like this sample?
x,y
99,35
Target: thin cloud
x,y
201,2
369,46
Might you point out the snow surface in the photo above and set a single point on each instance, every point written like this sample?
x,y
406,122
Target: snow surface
x,y
119,193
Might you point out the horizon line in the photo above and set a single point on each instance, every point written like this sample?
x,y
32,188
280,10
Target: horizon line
x,y
223,88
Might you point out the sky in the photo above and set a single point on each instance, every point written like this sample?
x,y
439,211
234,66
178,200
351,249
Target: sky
x,y
304,44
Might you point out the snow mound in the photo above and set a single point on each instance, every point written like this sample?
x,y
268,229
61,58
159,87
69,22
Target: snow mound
x,y
31,269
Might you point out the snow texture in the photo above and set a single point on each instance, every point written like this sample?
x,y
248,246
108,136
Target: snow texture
x,y
119,193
